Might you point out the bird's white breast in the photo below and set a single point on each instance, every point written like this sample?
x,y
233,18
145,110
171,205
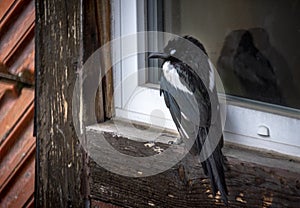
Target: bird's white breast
x,y
172,77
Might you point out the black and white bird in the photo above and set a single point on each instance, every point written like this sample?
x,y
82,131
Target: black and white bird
x,y
186,71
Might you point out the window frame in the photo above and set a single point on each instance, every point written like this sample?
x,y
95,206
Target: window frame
x,y
247,120
137,81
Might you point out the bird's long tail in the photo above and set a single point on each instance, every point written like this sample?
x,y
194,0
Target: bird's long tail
x,y
213,166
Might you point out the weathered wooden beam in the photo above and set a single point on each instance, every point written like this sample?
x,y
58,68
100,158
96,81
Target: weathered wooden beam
x,y
67,34
59,168
96,33
254,178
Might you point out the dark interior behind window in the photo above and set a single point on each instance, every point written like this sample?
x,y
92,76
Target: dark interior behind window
x,y
254,44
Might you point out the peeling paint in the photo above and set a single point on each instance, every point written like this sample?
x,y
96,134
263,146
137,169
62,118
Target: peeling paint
x,y
65,111
158,149
150,144
240,199
61,132
170,195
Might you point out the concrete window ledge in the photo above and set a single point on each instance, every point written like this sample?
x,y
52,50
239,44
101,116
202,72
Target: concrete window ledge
x,y
255,178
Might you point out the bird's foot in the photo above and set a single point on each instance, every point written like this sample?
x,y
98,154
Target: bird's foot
x,y
177,141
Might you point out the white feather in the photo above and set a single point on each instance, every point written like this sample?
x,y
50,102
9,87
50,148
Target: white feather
x,y
183,132
172,77
184,116
173,52
211,76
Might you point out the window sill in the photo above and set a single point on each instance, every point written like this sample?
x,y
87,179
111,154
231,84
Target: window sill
x,y
255,177
132,130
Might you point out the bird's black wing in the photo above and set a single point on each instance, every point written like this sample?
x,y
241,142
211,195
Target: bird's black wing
x,y
210,140
173,107
168,92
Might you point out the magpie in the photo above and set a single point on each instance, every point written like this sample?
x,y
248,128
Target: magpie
x,y
186,71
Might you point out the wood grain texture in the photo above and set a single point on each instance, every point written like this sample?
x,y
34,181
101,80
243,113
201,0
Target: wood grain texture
x,y
103,13
97,23
184,185
67,34
60,175
100,204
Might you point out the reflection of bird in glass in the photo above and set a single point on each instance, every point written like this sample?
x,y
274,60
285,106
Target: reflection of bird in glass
x,y
282,69
190,103
255,72
225,62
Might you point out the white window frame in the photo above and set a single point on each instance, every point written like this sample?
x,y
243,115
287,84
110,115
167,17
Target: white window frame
x,y
248,122
126,80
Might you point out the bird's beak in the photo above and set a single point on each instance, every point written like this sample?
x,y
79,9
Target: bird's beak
x,y
158,55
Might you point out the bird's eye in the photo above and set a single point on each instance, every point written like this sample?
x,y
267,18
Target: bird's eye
x,y
173,52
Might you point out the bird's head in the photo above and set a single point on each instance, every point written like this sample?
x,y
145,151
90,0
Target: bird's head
x,y
159,55
163,55
180,49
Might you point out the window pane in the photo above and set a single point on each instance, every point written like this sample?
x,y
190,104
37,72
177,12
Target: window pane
x,y
255,44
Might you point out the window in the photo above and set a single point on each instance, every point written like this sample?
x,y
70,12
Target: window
x,y
263,104
135,98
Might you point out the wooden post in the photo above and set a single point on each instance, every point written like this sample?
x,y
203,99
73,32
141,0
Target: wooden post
x,y
67,33
60,166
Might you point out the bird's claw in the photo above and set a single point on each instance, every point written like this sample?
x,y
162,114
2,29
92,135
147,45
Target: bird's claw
x,y
177,141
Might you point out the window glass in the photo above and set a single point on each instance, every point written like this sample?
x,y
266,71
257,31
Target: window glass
x,y
254,44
